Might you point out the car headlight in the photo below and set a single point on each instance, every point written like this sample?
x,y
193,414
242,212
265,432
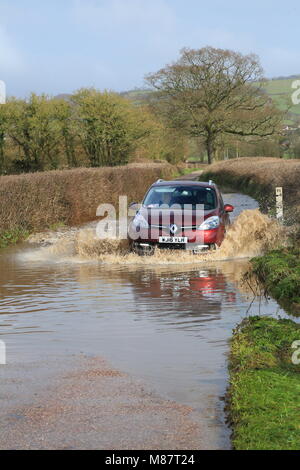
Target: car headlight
x,y
140,221
210,223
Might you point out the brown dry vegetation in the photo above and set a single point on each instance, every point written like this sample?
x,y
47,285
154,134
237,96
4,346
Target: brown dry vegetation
x,y
259,177
37,201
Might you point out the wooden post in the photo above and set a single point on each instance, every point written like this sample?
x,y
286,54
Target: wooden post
x,y
279,203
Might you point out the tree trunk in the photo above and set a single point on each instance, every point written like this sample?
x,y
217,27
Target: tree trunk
x,y
2,143
210,149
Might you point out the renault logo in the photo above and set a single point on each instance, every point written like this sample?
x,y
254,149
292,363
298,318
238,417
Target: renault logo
x,y
173,229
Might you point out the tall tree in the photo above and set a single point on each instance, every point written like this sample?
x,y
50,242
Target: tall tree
x,y
34,126
108,125
209,92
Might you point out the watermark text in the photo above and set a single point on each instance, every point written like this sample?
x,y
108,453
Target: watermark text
x,y
140,222
296,93
2,92
296,355
2,353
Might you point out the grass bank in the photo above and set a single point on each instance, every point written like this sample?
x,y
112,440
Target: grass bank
x,y
258,177
12,237
263,396
38,201
279,271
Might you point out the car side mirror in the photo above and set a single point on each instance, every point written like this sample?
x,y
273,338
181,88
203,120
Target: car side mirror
x,y
133,209
228,208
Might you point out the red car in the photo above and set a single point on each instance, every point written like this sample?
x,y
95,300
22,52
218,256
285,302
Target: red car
x,y
185,215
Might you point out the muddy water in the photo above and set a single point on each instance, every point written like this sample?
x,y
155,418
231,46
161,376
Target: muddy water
x,y
166,321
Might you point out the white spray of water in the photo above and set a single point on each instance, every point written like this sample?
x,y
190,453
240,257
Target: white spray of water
x,y
251,235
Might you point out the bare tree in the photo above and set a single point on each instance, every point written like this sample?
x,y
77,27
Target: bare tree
x,y
210,92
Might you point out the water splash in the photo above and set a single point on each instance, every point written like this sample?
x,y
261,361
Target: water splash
x,y
251,234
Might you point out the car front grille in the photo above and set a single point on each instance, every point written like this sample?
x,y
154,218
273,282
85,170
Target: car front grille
x,y
180,229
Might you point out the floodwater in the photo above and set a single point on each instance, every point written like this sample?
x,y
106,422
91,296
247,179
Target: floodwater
x,y
167,324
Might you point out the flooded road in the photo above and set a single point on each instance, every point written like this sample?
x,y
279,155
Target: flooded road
x,y
165,324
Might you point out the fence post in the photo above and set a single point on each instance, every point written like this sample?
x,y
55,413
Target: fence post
x,y
279,203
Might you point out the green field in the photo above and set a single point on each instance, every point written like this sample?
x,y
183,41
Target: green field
x,y
281,92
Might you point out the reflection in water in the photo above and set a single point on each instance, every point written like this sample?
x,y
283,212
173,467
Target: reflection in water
x,y
169,324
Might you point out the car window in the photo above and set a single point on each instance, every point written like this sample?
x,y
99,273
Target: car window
x,y
181,195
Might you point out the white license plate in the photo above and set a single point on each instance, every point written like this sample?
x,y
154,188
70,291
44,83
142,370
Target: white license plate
x,y
173,239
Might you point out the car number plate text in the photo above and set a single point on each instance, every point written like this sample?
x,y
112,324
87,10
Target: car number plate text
x,y
173,239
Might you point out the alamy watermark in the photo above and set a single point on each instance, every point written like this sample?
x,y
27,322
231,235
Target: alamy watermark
x,y
296,355
296,93
2,353
2,92
139,222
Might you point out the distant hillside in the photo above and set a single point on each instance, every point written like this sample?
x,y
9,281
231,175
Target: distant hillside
x,y
63,96
138,96
280,90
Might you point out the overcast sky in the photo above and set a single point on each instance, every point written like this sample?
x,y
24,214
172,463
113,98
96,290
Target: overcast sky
x,y
58,46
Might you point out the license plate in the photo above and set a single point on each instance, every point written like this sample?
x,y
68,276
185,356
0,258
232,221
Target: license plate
x,y
173,239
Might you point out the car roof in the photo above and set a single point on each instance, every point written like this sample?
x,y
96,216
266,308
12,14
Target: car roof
x,y
185,183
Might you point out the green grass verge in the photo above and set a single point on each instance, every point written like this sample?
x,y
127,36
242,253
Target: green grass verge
x,y
264,391
12,237
279,271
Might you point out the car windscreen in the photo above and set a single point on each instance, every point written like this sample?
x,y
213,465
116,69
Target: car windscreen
x,y
168,196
